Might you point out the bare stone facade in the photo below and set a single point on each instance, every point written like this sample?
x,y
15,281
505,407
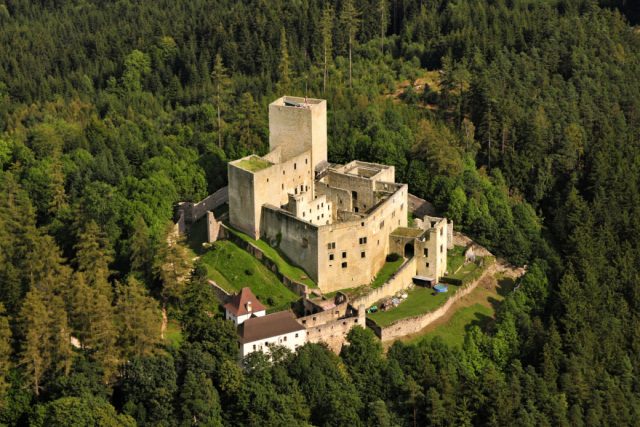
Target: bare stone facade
x,y
334,221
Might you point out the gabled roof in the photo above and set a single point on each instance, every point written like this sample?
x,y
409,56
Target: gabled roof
x,y
271,325
238,304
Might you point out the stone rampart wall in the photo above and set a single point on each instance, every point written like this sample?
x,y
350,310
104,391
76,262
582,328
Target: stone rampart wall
x,y
195,211
400,280
334,332
415,324
322,317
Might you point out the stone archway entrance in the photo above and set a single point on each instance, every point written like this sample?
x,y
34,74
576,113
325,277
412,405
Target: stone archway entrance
x,y
408,250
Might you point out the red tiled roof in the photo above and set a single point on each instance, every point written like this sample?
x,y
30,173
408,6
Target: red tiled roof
x,y
238,304
271,325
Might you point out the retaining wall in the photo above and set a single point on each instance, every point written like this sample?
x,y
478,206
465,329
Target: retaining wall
x,y
399,281
222,295
415,324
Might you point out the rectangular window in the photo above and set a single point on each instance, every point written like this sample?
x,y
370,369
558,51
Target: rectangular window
x,y
330,257
362,255
285,338
441,231
362,240
427,264
344,265
381,224
331,245
426,251
441,248
296,335
295,166
344,254
254,347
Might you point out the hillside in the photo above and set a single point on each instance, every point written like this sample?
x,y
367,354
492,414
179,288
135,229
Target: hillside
x,y
519,120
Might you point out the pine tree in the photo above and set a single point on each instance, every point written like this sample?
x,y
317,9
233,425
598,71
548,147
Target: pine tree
x,y
46,339
221,82
326,29
138,319
383,8
140,247
34,324
93,256
5,354
284,82
172,265
44,266
92,318
350,19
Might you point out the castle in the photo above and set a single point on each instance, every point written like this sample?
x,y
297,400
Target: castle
x,y
337,222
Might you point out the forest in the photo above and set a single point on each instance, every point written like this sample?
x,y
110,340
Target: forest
x,y
518,119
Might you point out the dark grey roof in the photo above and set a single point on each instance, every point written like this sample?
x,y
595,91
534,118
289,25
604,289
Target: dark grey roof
x,y
271,325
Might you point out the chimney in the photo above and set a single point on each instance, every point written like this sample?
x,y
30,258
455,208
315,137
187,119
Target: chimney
x,y
248,305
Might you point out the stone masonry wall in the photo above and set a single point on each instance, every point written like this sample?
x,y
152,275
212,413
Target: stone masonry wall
x,y
415,324
334,332
400,280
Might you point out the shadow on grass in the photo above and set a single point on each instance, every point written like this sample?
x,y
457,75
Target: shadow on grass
x,y
481,320
505,286
197,235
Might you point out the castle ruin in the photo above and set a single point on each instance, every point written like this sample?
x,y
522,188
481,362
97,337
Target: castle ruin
x,y
337,222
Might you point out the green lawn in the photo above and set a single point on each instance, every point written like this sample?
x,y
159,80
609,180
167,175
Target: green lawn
x,y
454,330
467,272
455,258
285,267
233,268
478,308
387,270
420,300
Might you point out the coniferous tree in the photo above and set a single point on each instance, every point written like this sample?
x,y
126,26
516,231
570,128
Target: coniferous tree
x,y
92,318
93,256
46,340
172,265
350,20
5,354
284,76
140,254
138,319
326,28
221,81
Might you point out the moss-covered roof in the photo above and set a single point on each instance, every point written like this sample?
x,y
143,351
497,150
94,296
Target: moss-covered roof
x,y
407,232
253,164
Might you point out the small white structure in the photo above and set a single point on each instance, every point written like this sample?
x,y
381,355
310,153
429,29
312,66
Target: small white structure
x,y
260,333
243,306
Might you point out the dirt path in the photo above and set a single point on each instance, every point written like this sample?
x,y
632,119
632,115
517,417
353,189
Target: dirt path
x,y
165,321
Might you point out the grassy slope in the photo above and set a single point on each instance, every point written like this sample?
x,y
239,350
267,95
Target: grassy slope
x,y
233,268
477,308
387,270
283,264
455,259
